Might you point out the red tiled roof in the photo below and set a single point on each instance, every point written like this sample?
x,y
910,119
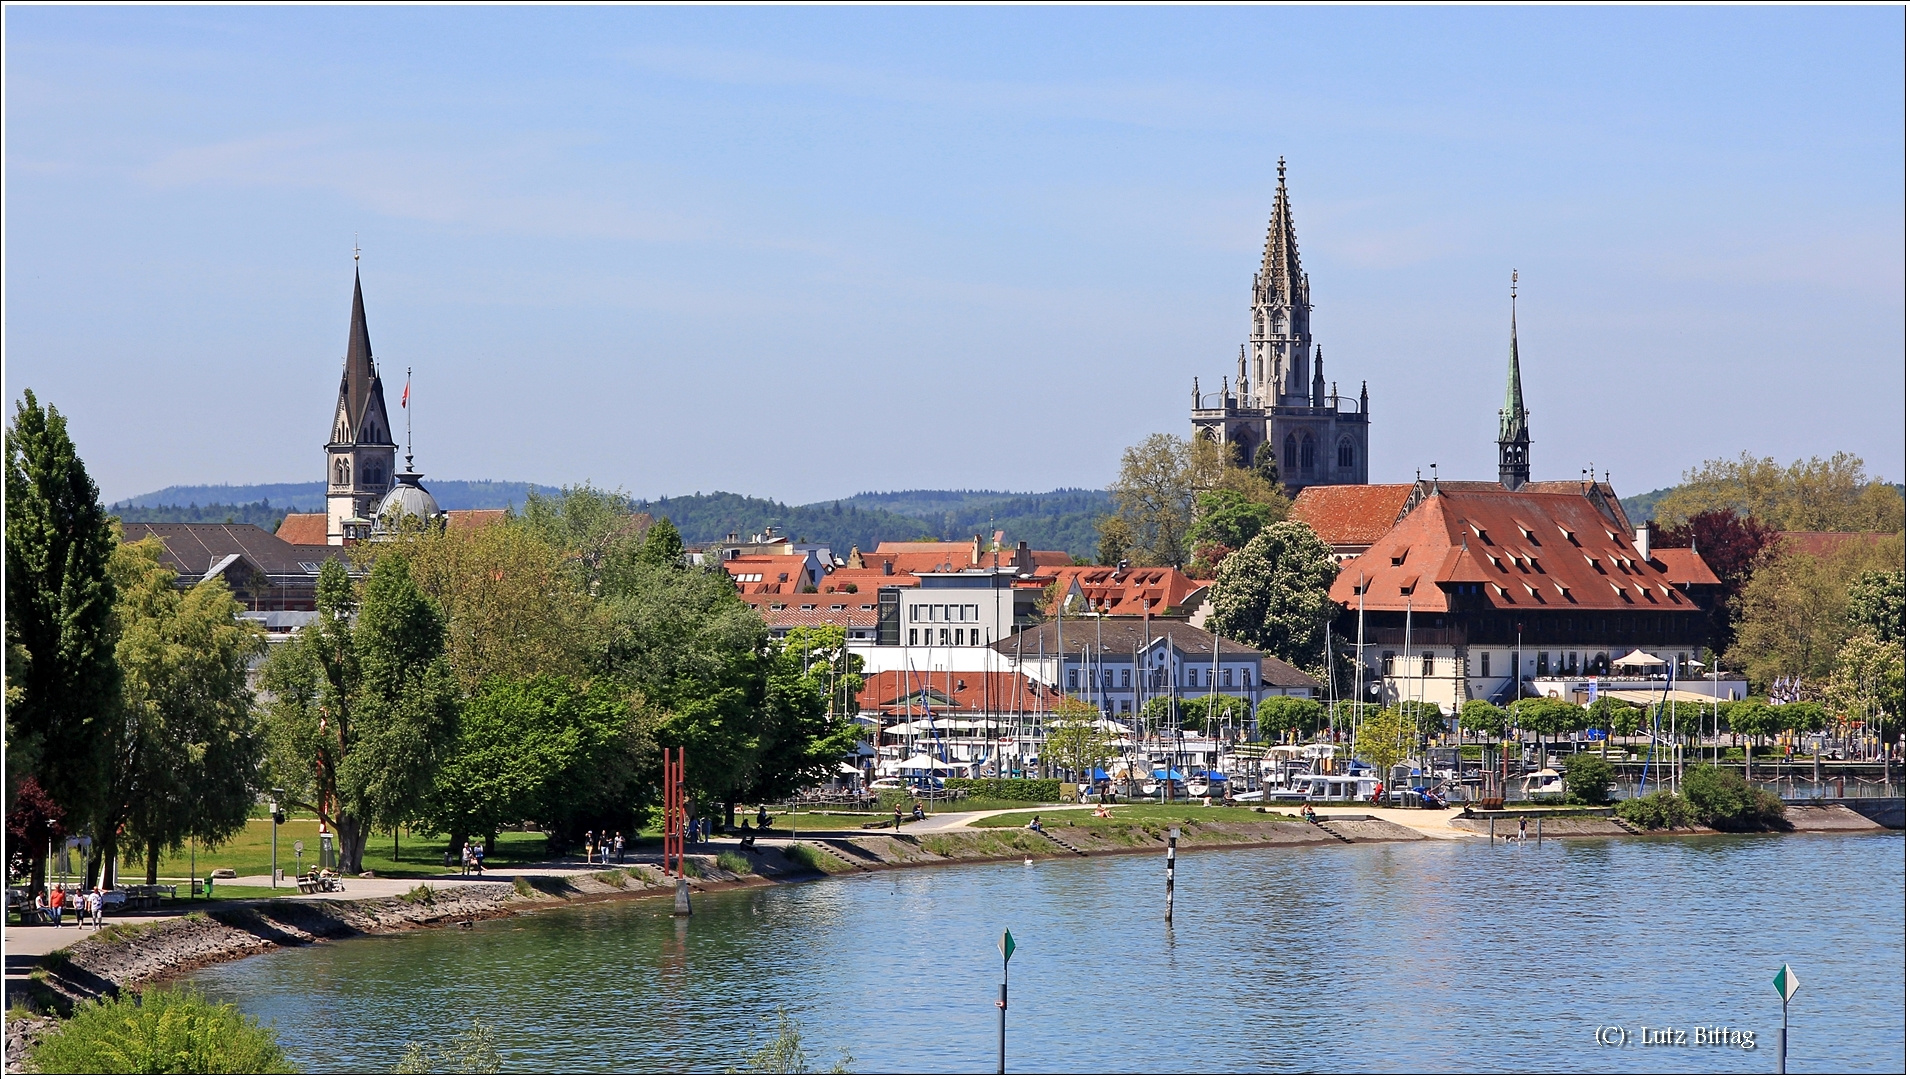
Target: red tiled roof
x,y
1683,566
888,692
1824,543
867,580
1160,591
1351,514
769,573
304,528
1515,547
815,609
468,520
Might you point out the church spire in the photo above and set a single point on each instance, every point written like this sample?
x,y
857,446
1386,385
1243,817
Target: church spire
x,y
1515,440
1282,336
1280,277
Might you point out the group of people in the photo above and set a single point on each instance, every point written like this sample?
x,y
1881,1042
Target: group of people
x,y
600,848
914,814
473,860
88,907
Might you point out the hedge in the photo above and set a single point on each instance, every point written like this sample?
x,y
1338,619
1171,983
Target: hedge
x,y
1011,790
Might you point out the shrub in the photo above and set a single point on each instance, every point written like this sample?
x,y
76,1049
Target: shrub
x,y
421,894
692,868
1588,778
523,887
814,860
1659,809
612,877
735,863
1726,802
472,1052
160,1031
1011,790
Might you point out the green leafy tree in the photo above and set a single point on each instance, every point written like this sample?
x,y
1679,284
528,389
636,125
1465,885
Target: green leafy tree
x,y
1588,778
185,761
801,739
1384,739
1867,684
662,545
1426,719
1272,594
1614,716
597,530
1115,539
1808,495
1484,719
363,705
1154,496
1227,518
159,1032
543,749
1304,716
1876,604
1266,463
1794,614
1075,738
1804,717
62,681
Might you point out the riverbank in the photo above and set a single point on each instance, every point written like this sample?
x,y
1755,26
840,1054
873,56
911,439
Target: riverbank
x,y
130,955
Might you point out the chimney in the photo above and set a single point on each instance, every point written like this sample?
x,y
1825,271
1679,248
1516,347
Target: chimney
x,y
1643,542
888,567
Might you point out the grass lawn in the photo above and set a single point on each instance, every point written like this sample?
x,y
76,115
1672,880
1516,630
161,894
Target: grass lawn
x,y
250,854
1132,813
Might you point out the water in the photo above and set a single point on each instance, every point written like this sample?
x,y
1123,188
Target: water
x,y
1424,957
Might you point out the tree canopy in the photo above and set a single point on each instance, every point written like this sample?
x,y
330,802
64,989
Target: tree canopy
x,y
1808,495
1272,594
1795,613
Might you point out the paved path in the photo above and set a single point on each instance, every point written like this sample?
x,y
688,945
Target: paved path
x,y
1432,823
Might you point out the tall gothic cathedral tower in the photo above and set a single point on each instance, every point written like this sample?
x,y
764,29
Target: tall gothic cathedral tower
x,y
359,458
1314,435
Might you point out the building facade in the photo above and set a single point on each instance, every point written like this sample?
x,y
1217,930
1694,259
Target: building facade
x,y
1279,399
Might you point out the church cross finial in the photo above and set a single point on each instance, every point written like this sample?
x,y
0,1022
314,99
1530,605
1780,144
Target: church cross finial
x,y
354,247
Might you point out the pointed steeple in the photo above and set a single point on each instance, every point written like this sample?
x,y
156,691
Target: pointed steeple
x,y
1282,336
1280,279
1515,440
359,455
1319,377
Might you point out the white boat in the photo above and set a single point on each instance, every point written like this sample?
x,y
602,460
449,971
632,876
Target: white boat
x,y
1544,783
1328,787
1197,789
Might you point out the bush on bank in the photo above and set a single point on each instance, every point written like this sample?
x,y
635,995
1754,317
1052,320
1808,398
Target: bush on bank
x,y
1588,778
1716,797
1659,809
160,1032
1011,790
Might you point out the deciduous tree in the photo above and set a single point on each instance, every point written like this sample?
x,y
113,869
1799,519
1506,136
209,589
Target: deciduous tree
x,y
1876,604
1154,495
1794,613
1304,716
1808,495
1384,739
1272,594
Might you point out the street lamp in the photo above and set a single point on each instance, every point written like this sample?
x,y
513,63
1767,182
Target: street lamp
x,y
278,815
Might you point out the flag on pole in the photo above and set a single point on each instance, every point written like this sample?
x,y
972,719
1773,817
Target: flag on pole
x,y
1786,982
404,399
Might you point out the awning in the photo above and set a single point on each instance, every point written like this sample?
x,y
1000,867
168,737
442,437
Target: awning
x,y
1653,696
923,762
1639,658
1098,774
1168,774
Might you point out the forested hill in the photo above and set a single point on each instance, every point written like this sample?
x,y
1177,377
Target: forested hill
x,y
1061,520
1056,520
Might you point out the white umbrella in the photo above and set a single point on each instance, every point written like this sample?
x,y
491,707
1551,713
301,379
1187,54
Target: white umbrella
x,y
1638,658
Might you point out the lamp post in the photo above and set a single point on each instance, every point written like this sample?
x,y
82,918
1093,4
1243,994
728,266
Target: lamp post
x,y
278,794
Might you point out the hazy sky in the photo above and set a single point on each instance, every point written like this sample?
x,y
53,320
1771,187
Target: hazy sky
x,y
804,253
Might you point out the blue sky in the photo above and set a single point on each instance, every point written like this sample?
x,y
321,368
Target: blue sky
x,y
803,253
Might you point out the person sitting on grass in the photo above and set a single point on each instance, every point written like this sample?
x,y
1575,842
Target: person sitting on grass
x,y
919,815
1034,825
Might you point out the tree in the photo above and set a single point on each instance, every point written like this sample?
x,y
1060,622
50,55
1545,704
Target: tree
x,y
1755,719
1547,717
1224,521
1794,613
1215,466
1304,716
596,530
1723,800
662,545
1614,716
1484,719
1876,604
1588,778
544,749
35,822
1808,495
1425,717
801,737
1733,546
1272,594
1384,739
1075,738
1867,684
1154,496
1115,539
185,758
512,608
1266,463
62,683
361,713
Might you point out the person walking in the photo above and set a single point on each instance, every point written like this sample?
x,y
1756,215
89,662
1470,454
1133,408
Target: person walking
x,y
96,905
618,842
56,902
898,816
1522,825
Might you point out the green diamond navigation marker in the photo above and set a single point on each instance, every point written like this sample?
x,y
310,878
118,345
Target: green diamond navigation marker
x,y
1007,947
1786,982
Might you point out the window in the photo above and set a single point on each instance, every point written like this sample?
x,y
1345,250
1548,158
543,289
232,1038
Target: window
x,y
1127,674
1293,453
1545,664
974,636
1571,663
912,639
1306,453
915,612
1074,678
944,635
1425,664
309,567
1346,453
1386,663
1485,665
1227,678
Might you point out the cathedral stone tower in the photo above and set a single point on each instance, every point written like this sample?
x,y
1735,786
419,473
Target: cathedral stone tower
x,y
359,458
1315,435
1515,440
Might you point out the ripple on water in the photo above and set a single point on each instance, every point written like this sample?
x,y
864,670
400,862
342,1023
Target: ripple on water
x,y
1383,957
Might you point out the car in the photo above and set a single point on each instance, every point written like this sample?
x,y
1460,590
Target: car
x,y
886,785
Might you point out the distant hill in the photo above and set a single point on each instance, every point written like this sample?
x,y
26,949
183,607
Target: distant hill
x,y
1639,508
1060,520
310,497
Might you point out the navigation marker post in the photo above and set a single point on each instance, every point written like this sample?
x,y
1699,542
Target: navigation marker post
x,y
1787,986
1173,841
1007,948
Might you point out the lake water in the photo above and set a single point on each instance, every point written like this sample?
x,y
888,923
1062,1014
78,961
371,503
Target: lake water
x,y
1422,957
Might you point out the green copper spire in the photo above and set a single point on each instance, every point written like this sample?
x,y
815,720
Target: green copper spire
x,y
1515,440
